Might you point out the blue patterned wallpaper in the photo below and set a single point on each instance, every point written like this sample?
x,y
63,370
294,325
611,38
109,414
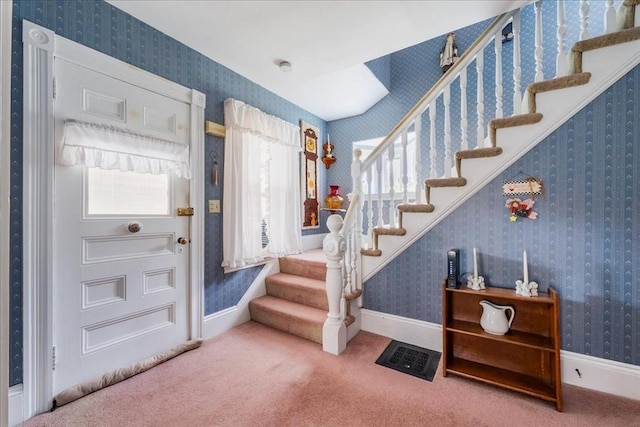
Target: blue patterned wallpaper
x,y
584,243
100,26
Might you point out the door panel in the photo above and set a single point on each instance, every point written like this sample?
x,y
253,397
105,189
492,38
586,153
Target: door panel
x,y
119,296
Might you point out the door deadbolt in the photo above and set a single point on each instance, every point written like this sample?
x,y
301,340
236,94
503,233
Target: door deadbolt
x,y
134,227
182,241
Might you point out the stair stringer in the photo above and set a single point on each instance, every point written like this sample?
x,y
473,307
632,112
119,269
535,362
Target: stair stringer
x,y
606,65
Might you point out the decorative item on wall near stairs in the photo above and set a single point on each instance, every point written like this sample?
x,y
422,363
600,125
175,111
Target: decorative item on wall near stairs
x,y
329,157
309,136
526,186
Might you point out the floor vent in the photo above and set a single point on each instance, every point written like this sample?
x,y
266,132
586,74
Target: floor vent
x,y
410,359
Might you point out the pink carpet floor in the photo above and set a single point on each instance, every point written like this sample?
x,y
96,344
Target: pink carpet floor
x,y
256,376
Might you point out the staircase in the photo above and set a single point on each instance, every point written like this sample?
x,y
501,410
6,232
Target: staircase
x,y
296,299
377,227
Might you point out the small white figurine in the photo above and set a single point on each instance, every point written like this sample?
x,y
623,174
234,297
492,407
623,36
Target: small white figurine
x,y
475,283
526,289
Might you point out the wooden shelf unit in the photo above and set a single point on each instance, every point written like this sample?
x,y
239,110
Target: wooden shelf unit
x,y
526,359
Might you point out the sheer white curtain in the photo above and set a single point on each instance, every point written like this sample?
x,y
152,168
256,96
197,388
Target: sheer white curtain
x,y
259,149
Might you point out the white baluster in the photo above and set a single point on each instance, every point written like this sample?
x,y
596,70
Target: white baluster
x,y
334,332
379,180
498,51
464,144
417,127
405,177
517,71
447,132
433,153
354,253
392,201
369,207
538,34
610,17
356,178
346,265
584,19
561,57
480,99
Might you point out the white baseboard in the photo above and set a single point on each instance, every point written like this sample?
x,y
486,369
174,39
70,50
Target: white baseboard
x,y
224,320
313,241
597,374
410,331
16,410
602,375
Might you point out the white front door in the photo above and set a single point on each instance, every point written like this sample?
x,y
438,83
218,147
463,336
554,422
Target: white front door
x,y
120,294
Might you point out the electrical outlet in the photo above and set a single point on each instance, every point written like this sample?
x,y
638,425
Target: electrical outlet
x,y
214,206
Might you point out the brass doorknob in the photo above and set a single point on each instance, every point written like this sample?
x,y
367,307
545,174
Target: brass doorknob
x,y
182,241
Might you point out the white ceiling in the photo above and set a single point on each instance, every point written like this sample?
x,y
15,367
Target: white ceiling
x,y
327,42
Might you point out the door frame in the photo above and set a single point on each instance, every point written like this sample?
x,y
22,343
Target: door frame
x,y
5,176
41,46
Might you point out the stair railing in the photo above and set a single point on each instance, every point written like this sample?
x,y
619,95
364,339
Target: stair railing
x,y
383,180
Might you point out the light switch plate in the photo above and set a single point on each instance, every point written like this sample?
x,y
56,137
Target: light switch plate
x,y
214,206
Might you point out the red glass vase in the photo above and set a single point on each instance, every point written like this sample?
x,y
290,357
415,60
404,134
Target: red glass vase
x,y
334,200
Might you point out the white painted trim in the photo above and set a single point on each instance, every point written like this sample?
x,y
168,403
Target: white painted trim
x,y
40,47
196,188
410,331
224,320
5,176
602,375
313,241
16,406
598,374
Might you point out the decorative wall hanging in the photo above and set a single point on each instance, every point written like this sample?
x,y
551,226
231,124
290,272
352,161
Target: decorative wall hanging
x,y
519,208
214,167
329,156
449,53
309,173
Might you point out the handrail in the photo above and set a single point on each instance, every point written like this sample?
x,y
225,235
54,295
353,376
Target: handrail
x,y
464,60
351,215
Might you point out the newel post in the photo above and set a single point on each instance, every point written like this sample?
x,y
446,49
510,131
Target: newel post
x,y
334,331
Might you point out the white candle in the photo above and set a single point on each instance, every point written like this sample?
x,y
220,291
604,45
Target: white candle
x,y
526,270
475,265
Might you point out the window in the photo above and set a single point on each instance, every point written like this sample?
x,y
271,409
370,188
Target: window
x,y
112,192
261,207
367,147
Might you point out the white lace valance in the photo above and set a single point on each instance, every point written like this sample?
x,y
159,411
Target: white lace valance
x,y
108,147
245,118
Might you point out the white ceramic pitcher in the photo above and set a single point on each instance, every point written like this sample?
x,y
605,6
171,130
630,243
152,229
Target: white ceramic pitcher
x,y
494,319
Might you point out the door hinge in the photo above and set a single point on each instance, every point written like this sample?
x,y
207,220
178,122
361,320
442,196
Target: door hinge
x,y
53,358
185,211
54,88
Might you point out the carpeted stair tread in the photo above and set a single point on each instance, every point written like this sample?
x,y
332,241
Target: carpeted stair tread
x,y
302,267
478,153
628,20
297,319
371,252
623,36
446,182
421,208
554,84
507,122
302,290
389,231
